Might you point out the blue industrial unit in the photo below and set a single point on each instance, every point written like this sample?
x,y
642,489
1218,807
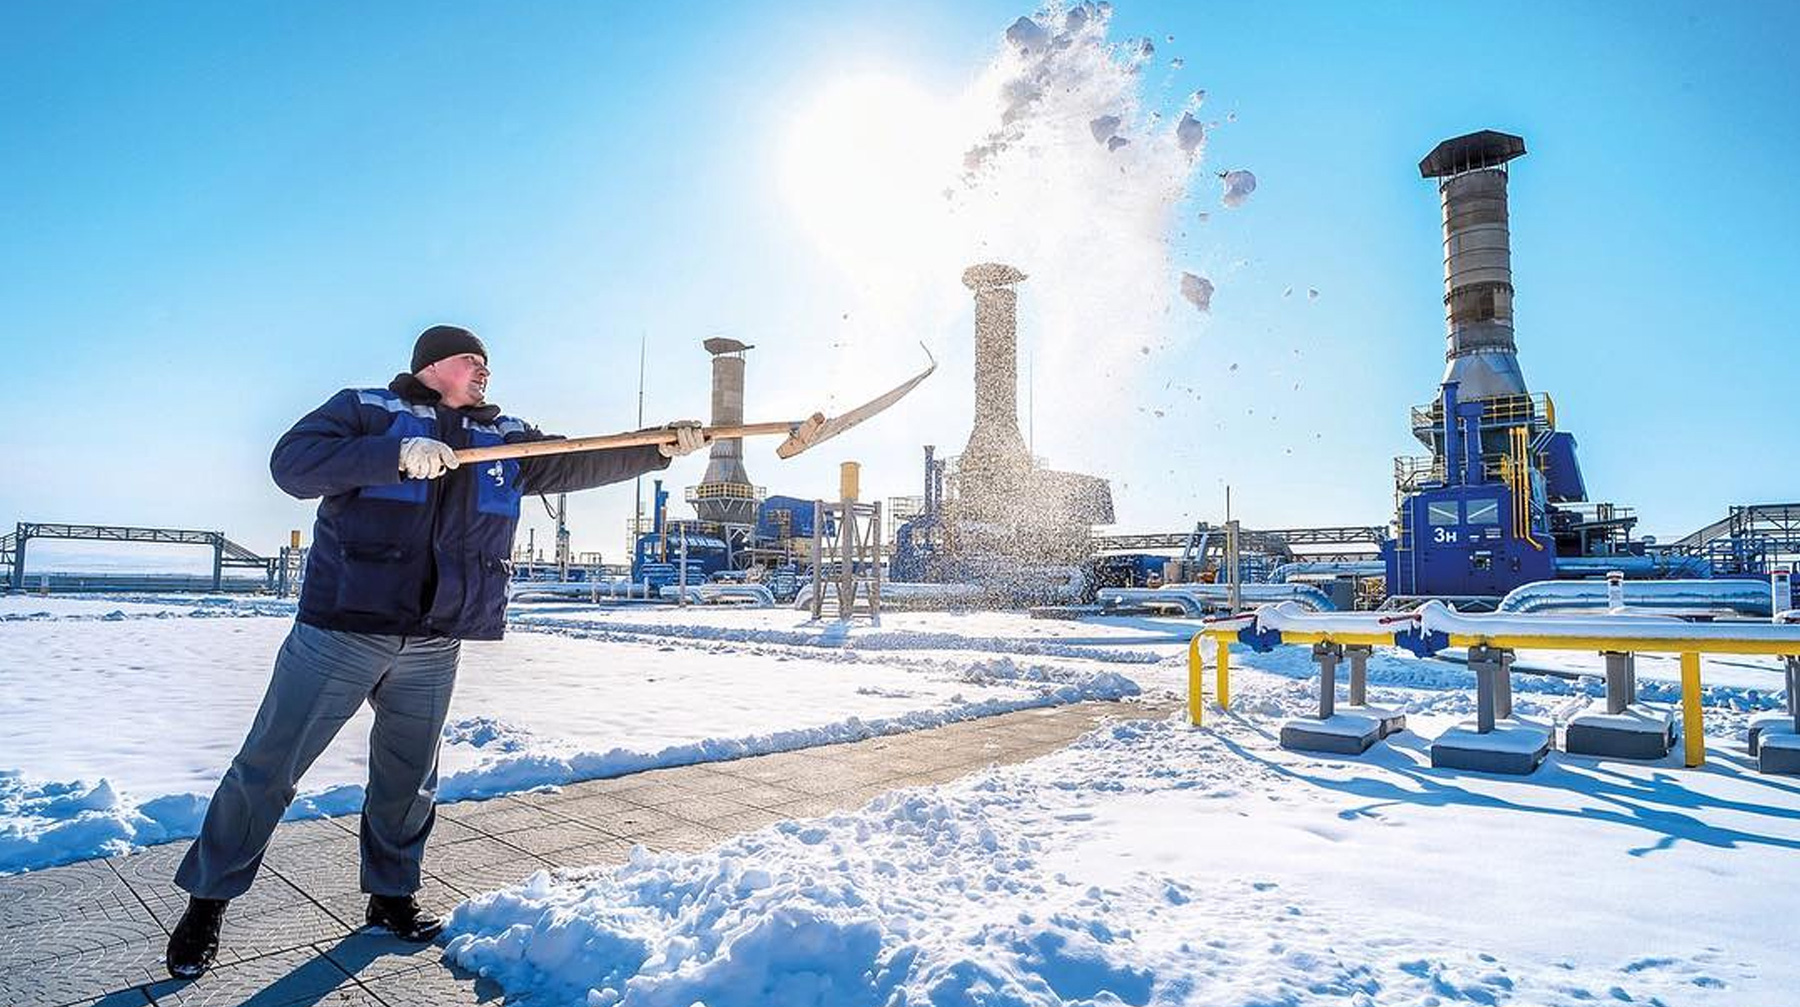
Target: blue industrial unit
x,y
718,551
1501,500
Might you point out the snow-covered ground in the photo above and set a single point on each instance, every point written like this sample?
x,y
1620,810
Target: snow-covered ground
x,y
120,716
1151,863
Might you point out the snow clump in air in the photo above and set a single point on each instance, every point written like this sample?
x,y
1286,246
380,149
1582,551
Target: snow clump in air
x,y
1198,290
1238,187
1189,134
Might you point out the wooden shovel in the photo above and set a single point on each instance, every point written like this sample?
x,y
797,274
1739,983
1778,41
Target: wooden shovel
x,y
801,434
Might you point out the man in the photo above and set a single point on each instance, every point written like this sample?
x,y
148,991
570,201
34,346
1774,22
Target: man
x,y
410,557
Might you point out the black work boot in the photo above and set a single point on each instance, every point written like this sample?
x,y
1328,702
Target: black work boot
x,y
195,942
402,916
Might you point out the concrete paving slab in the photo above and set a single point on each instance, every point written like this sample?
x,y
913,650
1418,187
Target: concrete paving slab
x,y
24,946
652,794
475,880
549,839
744,821
636,823
47,966
434,987
684,837
500,815
707,808
605,853
582,805
87,890
368,954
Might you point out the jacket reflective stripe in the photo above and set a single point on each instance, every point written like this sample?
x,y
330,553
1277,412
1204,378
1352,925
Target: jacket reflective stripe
x,y
394,404
507,425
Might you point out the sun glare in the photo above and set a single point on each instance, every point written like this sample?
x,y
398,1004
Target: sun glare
x,y
865,169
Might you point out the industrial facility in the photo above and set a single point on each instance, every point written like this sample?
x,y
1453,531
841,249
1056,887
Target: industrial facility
x,y
1496,515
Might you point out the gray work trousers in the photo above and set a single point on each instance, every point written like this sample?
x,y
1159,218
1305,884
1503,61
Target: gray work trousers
x,y
320,680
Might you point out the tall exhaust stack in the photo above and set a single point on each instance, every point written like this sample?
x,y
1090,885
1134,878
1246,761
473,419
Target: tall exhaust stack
x,y
1478,292
725,494
996,461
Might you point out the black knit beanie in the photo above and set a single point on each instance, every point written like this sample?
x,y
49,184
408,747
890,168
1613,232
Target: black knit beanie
x,y
442,341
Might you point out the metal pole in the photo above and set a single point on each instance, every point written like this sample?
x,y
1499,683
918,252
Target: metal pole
x,y
637,484
1196,691
1234,582
1326,656
847,576
818,559
681,574
875,578
1618,696
1503,686
1692,730
1793,690
1486,668
1359,674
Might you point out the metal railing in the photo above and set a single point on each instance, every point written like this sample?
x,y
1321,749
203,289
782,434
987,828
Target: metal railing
x,y
1537,411
725,491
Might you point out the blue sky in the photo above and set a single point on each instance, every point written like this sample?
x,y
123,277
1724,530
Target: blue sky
x,y
216,215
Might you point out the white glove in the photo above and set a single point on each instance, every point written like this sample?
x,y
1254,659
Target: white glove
x,y
688,439
424,458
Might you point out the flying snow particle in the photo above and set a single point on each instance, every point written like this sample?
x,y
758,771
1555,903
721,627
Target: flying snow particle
x,y
1312,293
1145,350
1189,134
1204,216
1177,63
1027,34
1159,413
1289,292
1197,99
1104,127
1234,367
1238,187
1116,142
1198,290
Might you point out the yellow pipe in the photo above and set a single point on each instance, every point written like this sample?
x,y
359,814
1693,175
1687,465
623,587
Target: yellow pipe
x,y
1692,735
1348,639
1224,675
1638,645
1196,699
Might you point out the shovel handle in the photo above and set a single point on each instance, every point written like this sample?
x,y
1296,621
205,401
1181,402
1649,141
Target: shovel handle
x,y
635,438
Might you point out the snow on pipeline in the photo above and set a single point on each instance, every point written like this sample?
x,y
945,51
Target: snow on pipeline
x,y
1153,864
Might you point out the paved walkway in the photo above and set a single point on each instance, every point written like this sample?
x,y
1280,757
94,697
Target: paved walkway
x,y
92,934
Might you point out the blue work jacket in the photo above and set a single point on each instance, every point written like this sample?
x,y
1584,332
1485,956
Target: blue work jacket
x,y
420,557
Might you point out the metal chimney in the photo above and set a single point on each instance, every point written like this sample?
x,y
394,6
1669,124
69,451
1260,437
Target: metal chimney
x,y
725,493
1481,356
